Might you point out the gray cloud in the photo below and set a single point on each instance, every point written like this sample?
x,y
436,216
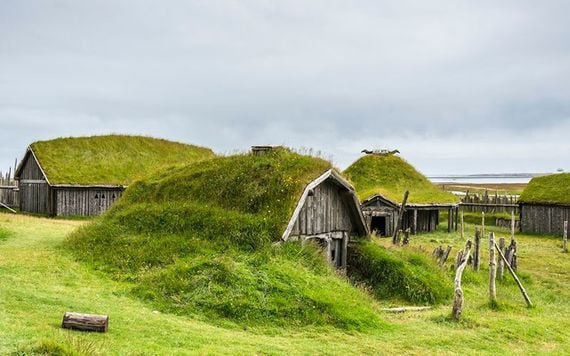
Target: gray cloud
x,y
454,84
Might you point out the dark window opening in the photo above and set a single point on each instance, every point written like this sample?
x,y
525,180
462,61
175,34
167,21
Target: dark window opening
x,y
378,225
103,196
96,196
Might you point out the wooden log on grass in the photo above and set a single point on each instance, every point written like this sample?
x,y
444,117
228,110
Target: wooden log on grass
x,y
458,300
85,322
492,269
519,284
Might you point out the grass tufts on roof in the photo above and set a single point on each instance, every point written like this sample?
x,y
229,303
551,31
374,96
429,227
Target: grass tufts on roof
x,y
390,176
111,159
552,189
198,240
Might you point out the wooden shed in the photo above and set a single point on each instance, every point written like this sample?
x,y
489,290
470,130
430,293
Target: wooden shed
x,y
329,213
381,181
545,204
84,176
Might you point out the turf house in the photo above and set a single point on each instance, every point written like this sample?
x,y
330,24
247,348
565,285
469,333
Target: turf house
x,y
84,176
545,204
381,181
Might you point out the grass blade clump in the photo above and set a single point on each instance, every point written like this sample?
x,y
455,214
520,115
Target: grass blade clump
x,y
199,240
402,274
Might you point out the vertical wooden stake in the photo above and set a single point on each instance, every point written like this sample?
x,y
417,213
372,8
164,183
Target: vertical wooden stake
x,y
517,280
462,226
501,265
483,224
400,217
565,238
512,224
477,253
492,269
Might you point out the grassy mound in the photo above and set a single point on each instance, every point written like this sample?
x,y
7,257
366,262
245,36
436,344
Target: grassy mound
x,y
401,274
391,176
113,159
199,239
551,189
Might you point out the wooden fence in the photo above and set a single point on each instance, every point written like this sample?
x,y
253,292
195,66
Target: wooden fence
x,y
9,194
490,203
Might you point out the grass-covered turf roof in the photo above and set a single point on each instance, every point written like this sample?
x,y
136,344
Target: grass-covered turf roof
x,y
552,189
112,159
390,176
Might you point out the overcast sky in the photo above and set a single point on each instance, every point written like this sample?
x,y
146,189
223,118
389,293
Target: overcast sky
x,y
456,86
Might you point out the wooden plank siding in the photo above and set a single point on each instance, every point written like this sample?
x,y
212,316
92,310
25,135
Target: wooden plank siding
x,y
84,201
543,219
427,219
34,188
324,211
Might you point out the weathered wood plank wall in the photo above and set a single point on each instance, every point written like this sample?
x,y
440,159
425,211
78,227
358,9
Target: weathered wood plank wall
x,y
544,219
34,190
325,211
84,201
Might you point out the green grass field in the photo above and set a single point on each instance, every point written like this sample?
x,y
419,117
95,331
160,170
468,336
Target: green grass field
x,y
40,280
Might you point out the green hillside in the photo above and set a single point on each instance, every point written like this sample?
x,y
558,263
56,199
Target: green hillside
x,y
198,240
112,159
391,176
551,189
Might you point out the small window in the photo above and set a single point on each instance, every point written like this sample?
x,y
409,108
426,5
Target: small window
x,y
113,197
103,196
96,195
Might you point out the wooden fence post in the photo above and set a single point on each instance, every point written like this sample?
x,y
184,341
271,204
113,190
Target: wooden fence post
x,y
458,300
492,269
483,223
462,226
501,264
565,238
399,218
512,224
477,252
523,291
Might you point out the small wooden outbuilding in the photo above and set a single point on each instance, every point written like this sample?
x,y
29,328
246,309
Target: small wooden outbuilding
x,y
84,176
382,178
545,204
329,213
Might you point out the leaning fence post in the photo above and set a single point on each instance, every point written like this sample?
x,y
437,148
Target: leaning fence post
x,y
565,238
523,291
458,300
492,269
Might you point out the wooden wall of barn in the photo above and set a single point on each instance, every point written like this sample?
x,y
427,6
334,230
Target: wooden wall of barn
x,y
34,189
84,201
427,220
323,212
544,219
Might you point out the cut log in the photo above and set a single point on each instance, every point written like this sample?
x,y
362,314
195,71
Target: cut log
x,y
405,309
85,322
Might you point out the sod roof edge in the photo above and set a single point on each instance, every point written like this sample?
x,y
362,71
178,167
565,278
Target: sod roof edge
x,y
552,189
108,160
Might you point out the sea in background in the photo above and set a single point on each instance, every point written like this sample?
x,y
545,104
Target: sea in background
x,y
521,178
